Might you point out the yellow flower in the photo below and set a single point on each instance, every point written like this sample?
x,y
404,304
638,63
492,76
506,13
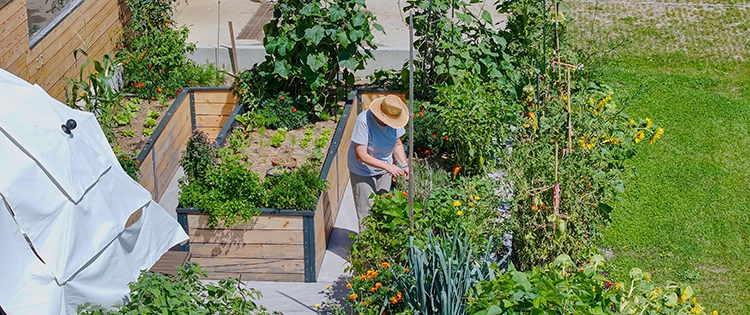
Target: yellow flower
x,y
639,136
471,204
630,125
656,136
715,313
459,213
611,93
317,305
612,140
587,143
592,101
697,308
593,289
456,203
655,293
328,287
648,123
477,198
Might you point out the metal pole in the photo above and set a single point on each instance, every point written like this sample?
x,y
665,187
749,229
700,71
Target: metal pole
x,y
411,119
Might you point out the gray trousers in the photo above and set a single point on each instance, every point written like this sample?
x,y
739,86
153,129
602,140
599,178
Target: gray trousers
x,y
362,187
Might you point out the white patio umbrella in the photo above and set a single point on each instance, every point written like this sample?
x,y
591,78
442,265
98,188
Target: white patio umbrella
x,y
74,227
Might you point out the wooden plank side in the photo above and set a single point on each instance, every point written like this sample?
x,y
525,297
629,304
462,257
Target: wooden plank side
x,y
213,109
146,175
12,31
320,238
56,52
272,222
290,251
227,236
280,277
210,121
211,132
368,97
215,97
13,9
250,265
169,161
168,262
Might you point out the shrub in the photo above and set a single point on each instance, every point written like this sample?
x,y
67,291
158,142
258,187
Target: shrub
x,y
375,291
156,293
429,132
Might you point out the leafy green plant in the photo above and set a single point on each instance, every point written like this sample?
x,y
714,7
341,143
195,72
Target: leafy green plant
x,y
94,89
312,49
128,133
199,156
452,42
429,132
156,293
278,138
566,288
229,192
564,183
477,120
281,112
375,292
130,164
153,53
307,137
298,190
150,122
147,132
153,115
322,141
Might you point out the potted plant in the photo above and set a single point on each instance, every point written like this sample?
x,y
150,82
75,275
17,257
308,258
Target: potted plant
x,y
284,160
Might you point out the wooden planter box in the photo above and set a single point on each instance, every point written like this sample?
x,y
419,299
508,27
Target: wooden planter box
x,y
278,245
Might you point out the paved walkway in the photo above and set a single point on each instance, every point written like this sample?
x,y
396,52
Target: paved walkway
x,y
295,297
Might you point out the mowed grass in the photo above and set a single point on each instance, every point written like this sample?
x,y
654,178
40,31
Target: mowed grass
x,y
686,214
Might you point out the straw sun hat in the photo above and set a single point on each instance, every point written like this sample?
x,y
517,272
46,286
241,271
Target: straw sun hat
x,y
390,110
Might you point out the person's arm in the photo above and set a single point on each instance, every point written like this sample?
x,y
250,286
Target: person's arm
x,y
360,150
400,157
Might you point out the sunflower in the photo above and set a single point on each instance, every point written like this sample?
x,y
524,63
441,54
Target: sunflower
x,y
639,136
656,136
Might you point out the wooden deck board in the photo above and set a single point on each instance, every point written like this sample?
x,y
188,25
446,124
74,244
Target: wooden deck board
x,y
168,262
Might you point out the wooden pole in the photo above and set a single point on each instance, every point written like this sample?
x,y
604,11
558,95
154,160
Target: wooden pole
x,y
570,127
235,65
557,44
411,119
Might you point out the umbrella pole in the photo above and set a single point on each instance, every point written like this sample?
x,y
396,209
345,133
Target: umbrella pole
x,y
411,119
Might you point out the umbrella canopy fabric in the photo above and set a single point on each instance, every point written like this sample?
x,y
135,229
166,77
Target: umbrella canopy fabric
x,y
65,207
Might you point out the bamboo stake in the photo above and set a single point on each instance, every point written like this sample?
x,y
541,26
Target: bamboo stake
x,y
557,43
570,126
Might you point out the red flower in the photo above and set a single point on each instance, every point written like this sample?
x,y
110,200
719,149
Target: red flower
x,y
281,97
294,109
426,151
158,90
434,135
446,138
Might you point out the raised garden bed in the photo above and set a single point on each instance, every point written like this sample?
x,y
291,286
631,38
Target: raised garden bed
x,y
277,245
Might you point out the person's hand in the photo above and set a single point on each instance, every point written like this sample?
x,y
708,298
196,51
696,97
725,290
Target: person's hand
x,y
394,170
406,172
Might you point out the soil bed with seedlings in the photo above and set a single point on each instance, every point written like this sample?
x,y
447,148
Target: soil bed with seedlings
x,y
262,145
137,122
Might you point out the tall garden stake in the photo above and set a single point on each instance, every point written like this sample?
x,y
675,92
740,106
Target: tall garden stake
x,y
411,119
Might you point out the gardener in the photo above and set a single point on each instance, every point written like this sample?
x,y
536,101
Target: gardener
x,y
376,143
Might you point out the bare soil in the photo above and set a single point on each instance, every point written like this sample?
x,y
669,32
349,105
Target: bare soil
x,y
137,124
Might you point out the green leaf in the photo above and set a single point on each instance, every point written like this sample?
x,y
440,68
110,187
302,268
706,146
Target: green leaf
x,y
378,27
316,61
315,34
310,9
343,39
494,310
282,68
486,16
336,13
464,17
356,35
359,19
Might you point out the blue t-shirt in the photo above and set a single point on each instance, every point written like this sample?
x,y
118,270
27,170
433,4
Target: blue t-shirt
x,y
379,140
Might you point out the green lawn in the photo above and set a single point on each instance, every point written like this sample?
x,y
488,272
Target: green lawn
x,y
686,215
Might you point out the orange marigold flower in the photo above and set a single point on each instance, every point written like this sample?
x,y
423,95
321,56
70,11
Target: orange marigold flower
x,y
406,270
353,296
404,194
348,285
372,290
378,285
385,264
